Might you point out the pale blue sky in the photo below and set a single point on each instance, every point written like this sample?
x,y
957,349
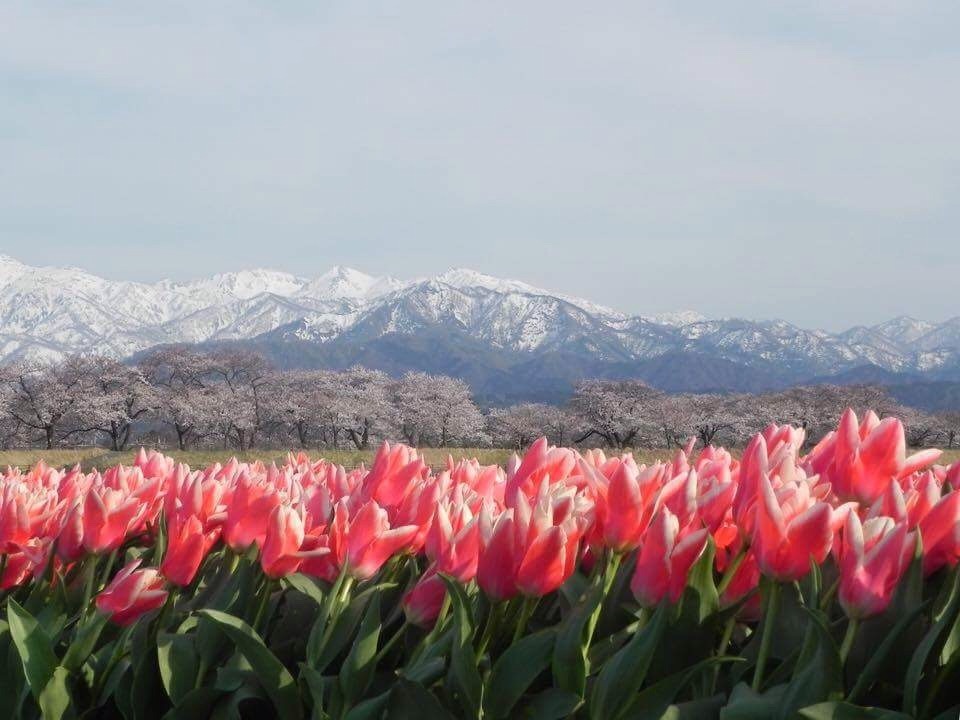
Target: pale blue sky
x,y
734,158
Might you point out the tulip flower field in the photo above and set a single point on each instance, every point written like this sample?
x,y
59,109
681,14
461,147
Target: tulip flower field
x,y
780,584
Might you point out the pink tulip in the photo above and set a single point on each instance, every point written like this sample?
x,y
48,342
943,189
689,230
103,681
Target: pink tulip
x,y
423,601
791,529
665,559
940,534
281,548
132,594
249,513
366,541
109,516
873,558
187,546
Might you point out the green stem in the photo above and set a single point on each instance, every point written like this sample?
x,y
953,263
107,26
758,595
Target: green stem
x,y
112,663
722,648
493,624
391,642
848,638
526,611
731,570
828,595
769,619
258,619
431,636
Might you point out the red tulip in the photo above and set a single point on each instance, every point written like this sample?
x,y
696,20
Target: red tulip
x,y
187,546
132,594
281,548
791,528
873,558
424,600
370,541
109,515
249,513
665,559
861,459
940,533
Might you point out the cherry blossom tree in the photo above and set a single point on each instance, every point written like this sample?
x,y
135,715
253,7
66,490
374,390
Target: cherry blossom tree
x,y
43,398
436,408
619,412
118,397
519,425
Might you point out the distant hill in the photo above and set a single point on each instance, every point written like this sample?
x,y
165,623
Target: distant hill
x,y
509,340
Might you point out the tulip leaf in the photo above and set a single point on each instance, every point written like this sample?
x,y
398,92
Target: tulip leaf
x,y
306,585
708,707
623,675
551,704
847,711
818,674
370,709
35,650
412,701
177,660
146,691
515,670
653,702
270,672
357,669
54,700
464,675
746,704
928,647
571,650
319,656
195,704
869,672
701,591
85,640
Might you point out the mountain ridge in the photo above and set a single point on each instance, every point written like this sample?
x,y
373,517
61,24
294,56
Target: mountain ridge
x,y
509,326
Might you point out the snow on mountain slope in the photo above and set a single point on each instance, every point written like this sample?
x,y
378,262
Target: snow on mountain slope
x,y
49,312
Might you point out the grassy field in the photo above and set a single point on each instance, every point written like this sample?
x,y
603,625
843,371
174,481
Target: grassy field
x,y
90,458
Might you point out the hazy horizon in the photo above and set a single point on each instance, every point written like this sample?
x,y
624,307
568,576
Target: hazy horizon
x,y
744,161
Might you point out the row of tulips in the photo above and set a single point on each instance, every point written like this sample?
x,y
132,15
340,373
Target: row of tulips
x,y
564,584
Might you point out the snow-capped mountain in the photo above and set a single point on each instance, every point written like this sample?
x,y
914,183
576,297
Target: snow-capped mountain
x,y
460,321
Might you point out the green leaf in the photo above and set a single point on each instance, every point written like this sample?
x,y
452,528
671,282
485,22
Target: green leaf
x,y
84,642
571,652
465,677
54,699
623,675
701,591
700,709
357,669
653,702
819,671
868,674
34,647
515,670
177,660
745,704
412,701
198,703
344,626
146,690
306,585
371,709
928,647
272,675
551,704
846,711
